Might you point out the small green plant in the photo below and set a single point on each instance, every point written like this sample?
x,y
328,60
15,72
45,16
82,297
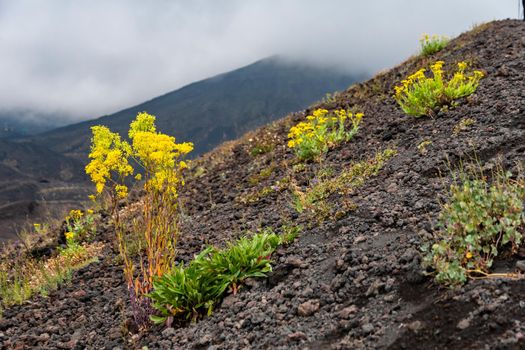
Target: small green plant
x,y
419,95
289,233
265,141
41,229
463,125
192,291
80,225
298,168
313,200
256,195
422,147
321,131
36,234
478,222
25,277
263,174
261,148
432,44
330,97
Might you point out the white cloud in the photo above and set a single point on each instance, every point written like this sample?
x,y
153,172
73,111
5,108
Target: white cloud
x,y
91,57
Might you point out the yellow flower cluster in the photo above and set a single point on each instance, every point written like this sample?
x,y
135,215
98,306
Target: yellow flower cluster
x,y
79,225
158,154
75,215
461,83
426,38
421,95
109,157
419,77
69,236
322,130
121,191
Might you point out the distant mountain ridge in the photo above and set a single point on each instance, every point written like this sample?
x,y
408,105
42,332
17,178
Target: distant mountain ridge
x,y
217,109
18,123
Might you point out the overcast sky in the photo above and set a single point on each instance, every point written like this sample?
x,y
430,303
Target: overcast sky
x,y
91,57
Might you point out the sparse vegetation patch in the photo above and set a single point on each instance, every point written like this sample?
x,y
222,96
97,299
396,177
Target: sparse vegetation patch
x,y
321,131
419,95
422,147
313,199
463,125
22,278
479,222
432,44
80,225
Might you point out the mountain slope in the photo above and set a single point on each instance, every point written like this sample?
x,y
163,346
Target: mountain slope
x,y
216,109
353,281
35,184
18,123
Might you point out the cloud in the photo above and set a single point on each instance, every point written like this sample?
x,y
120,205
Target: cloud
x,y
86,58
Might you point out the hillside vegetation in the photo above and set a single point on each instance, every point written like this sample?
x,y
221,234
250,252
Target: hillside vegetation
x,y
387,217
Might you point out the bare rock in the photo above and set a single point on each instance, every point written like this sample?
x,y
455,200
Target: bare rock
x,y
520,265
228,301
347,311
464,323
308,308
296,336
415,326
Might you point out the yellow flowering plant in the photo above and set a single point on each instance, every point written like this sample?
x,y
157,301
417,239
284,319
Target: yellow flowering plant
x,y
419,95
321,131
80,225
159,159
432,44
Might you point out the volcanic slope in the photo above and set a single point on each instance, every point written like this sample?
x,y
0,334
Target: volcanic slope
x,y
36,183
353,281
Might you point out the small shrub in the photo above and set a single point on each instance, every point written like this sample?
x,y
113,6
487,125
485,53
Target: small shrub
x,y
262,175
475,226
420,95
159,158
463,125
80,225
35,234
432,44
25,277
422,147
261,148
329,97
192,291
41,229
313,200
289,233
256,195
322,130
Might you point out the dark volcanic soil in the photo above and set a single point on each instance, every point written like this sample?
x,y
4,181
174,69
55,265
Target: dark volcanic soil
x,y
354,282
